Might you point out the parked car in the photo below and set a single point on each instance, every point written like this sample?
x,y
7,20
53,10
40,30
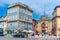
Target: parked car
x,y
21,35
1,32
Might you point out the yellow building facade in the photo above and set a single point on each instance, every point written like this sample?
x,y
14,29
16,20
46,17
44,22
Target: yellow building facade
x,y
44,29
56,21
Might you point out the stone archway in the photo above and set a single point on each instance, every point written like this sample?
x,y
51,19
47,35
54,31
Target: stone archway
x,y
44,28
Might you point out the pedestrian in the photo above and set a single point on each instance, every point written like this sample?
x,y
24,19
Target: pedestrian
x,y
38,34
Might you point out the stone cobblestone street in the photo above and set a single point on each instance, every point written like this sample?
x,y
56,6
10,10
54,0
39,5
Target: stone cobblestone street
x,y
42,38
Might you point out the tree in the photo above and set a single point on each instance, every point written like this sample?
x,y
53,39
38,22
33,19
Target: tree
x,y
8,31
18,31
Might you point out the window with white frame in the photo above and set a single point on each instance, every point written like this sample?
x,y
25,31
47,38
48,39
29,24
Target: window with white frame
x,y
22,25
26,12
12,25
29,26
13,13
13,17
22,10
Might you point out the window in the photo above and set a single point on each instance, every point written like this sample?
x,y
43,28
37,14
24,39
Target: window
x,y
13,13
13,17
21,16
22,25
22,10
29,13
26,12
13,9
29,18
12,25
25,25
30,26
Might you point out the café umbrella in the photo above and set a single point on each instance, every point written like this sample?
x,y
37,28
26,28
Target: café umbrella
x,y
25,31
30,31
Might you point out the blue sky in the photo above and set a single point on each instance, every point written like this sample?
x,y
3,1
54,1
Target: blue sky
x,y
38,6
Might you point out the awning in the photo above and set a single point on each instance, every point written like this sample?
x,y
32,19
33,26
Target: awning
x,y
25,31
45,27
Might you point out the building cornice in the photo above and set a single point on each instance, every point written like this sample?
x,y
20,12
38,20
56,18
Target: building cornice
x,y
18,20
3,21
20,5
57,7
55,17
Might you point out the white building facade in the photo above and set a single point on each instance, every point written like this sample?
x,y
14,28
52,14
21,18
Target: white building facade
x,y
1,22
19,16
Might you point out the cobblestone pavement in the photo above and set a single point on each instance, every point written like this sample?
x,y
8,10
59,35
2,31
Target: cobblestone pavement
x,y
41,38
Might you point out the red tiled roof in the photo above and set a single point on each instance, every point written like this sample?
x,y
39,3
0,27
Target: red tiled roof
x,y
57,7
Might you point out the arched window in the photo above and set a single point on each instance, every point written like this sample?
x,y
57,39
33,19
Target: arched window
x,y
43,24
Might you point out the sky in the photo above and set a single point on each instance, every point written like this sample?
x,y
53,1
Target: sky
x,y
38,6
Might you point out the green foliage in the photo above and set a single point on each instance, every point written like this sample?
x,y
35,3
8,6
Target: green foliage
x,y
18,31
8,31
